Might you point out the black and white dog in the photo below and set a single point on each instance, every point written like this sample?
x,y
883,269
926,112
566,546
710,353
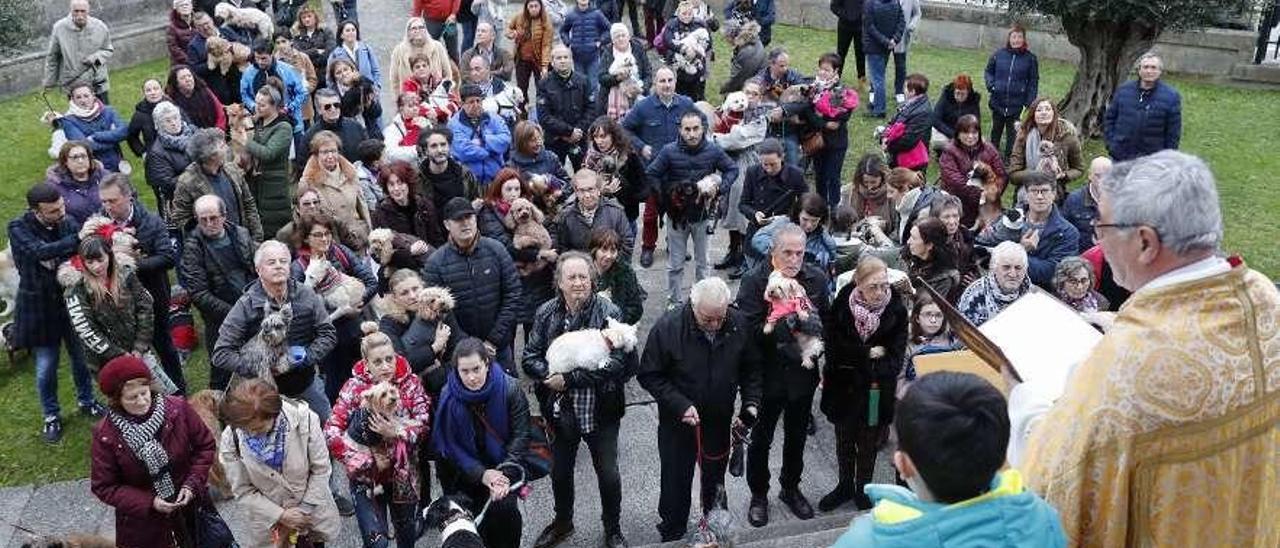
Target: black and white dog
x,y
449,515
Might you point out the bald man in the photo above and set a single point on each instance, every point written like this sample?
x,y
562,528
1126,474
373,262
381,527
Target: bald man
x,y
1081,207
79,50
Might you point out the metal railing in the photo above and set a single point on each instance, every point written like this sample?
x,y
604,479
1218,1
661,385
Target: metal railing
x,y
1268,44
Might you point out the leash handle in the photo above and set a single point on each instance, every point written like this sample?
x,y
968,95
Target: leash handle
x,y
702,455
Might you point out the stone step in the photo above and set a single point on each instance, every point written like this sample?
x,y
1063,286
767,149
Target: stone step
x,y
819,531
1265,73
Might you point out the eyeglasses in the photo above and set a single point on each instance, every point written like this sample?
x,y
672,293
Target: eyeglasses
x,y
1118,226
328,106
319,234
209,218
1077,281
1042,191
78,156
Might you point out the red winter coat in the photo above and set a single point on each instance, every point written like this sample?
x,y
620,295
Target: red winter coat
x,y
120,479
415,406
435,10
956,163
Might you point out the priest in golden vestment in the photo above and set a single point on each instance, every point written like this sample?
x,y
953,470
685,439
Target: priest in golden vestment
x,y
1169,433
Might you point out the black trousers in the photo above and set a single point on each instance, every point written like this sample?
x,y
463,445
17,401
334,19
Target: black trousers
x,y
218,377
1001,124
603,445
502,523
163,344
856,452
795,415
678,450
850,32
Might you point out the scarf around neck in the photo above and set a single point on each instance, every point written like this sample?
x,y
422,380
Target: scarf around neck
x,y
85,113
866,315
179,141
455,428
268,448
144,441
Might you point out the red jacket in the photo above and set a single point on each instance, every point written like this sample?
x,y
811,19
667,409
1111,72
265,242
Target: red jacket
x,y
120,479
415,407
435,10
956,163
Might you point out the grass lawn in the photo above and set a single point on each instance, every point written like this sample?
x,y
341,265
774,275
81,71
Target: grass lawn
x,y
1212,115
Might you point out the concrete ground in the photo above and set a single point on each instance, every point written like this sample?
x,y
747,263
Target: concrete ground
x,y
69,507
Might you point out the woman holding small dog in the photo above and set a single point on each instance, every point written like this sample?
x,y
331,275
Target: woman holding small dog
x,y
482,423
151,458
1041,124
495,220
314,238
377,423
617,280
406,212
958,161
278,467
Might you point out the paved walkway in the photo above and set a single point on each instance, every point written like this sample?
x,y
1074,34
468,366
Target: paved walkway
x,y
69,507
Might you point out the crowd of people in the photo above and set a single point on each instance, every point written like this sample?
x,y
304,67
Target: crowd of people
x,y
362,276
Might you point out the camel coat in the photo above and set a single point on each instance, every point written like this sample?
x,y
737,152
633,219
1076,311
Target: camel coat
x,y
266,493
339,194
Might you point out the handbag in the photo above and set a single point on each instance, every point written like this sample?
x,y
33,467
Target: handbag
x,y
211,531
812,143
537,457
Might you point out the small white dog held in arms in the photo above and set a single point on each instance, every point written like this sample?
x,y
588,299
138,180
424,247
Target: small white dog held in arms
x,y
589,348
342,293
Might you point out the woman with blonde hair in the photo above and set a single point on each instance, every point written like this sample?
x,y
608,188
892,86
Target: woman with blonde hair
x,y
417,41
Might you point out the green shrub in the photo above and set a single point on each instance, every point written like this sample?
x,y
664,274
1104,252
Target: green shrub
x,y
17,21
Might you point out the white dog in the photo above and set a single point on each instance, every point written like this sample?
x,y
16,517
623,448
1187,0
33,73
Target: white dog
x,y
9,279
342,293
245,18
589,348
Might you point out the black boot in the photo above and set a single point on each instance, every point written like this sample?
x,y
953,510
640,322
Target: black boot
x,y
734,257
841,494
737,459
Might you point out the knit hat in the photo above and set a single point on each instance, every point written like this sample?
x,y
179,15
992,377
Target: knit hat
x,y
120,370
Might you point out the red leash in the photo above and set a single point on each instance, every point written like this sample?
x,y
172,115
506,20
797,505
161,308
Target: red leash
x,y
702,456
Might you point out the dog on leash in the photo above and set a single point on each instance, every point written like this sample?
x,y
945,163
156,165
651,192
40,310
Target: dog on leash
x,y
269,348
341,293
589,349
526,220
205,403
9,279
449,515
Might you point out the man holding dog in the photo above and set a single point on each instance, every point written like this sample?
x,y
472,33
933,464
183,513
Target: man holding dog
x,y
789,386
677,172
697,360
217,264
581,405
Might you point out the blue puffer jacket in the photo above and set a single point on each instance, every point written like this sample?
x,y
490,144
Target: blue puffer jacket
x,y
1140,122
585,32
365,61
1058,240
1008,515
295,91
485,158
107,130
1080,209
1013,80
882,22
679,164
484,284
651,123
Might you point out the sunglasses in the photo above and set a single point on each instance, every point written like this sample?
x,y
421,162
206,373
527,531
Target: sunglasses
x,y
328,106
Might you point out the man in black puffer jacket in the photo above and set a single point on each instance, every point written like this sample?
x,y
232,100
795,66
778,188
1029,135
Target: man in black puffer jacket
x,y
482,277
565,107
156,257
676,172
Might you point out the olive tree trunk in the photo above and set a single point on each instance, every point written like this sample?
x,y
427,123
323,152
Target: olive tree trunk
x,y
1108,50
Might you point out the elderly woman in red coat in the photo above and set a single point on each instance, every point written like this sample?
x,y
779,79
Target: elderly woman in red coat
x,y
151,458
958,159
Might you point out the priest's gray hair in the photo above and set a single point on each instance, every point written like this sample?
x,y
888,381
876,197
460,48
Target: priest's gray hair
x,y
710,291
1008,253
1171,192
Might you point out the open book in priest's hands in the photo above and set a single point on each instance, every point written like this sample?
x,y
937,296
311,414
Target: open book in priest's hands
x,y
1038,338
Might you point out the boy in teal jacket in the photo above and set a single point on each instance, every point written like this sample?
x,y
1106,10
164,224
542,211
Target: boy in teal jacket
x,y
952,432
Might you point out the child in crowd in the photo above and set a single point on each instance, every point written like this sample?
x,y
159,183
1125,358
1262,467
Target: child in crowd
x,y
930,334
953,429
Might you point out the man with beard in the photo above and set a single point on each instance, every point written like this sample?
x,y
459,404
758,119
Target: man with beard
x,y
440,177
653,123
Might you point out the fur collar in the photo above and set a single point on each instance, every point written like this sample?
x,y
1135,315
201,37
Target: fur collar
x,y
316,176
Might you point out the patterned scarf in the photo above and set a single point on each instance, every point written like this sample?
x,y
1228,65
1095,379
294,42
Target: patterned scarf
x,y
179,141
1086,303
268,448
143,439
866,314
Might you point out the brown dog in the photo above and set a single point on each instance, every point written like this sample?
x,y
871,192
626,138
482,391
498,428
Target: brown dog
x,y
989,209
525,220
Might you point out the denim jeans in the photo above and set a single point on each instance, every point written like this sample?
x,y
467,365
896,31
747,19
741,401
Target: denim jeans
x,y
899,72
468,29
371,516
47,358
588,68
677,246
791,149
603,445
826,167
876,64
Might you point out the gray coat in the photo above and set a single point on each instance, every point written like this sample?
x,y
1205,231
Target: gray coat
x,y
73,49
309,328
570,230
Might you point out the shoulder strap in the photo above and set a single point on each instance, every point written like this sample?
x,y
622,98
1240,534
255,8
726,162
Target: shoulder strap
x,y
486,425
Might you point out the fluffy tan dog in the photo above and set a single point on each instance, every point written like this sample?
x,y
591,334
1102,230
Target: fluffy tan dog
x,y
526,221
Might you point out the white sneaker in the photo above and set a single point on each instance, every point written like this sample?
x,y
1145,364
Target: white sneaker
x,y
900,98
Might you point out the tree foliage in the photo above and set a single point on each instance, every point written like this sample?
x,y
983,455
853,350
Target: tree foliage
x,y
17,22
1111,35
